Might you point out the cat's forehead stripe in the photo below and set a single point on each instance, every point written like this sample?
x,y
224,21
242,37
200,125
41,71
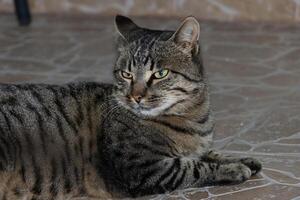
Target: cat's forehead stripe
x,y
144,44
141,54
137,52
129,65
148,63
146,60
151,65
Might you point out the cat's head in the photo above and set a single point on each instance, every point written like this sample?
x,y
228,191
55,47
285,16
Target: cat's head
x,y
158,72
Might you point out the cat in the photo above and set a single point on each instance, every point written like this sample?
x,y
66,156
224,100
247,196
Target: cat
x,y
150,132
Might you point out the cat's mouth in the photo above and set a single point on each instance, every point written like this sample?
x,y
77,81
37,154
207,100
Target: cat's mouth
x,y
146,110
142,109
153,111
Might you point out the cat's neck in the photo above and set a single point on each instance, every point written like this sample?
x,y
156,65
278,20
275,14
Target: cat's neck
x,y
196,120
196,112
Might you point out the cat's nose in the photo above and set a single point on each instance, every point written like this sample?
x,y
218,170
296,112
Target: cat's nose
x,y
137,98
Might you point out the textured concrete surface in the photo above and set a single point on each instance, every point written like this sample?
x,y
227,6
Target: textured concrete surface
x,y
224,10
254,72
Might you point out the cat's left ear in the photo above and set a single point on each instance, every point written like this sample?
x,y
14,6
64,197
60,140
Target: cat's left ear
x,y
124,26
187,35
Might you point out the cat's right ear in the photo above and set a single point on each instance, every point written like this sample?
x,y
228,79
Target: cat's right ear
x,y
124,26
187,35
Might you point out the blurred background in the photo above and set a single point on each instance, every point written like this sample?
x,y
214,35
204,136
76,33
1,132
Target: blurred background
x,y
287,11
251,51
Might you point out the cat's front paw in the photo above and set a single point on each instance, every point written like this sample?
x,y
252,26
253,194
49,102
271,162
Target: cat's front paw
x,y
253,164
233,173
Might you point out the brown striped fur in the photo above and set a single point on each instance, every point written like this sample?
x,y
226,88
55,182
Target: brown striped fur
x,y
142,135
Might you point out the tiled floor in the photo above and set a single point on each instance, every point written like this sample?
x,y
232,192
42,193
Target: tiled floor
x,y
254,72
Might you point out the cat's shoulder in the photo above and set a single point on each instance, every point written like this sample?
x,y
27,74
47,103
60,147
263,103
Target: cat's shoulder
x,y
75,85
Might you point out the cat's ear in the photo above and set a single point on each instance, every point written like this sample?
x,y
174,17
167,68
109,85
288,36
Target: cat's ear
x,y
187,35
124,26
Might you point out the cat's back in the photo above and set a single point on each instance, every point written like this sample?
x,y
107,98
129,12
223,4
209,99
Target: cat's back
x,y
47,137
18,94
30,105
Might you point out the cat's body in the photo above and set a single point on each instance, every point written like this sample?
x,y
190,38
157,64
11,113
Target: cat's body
x,y
48,140
149,133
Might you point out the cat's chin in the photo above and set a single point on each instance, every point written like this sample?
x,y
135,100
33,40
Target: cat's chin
x,y
156,111
148,113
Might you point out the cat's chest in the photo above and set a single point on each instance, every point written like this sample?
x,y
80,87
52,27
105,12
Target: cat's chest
x,y
185,143
189,145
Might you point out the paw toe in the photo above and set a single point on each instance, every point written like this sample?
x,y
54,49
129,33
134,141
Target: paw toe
x,y
235,173
253,164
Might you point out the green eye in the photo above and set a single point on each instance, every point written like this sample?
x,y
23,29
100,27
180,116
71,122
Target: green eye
x,y
126,75
161,73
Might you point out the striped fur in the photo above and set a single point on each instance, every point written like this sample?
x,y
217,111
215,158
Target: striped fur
x,y
97,141
48,138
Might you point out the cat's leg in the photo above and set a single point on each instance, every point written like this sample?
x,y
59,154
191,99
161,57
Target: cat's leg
x,y
214,156
168,174
139,163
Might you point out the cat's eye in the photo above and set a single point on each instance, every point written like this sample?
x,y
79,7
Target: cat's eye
x,y
161,73
126,75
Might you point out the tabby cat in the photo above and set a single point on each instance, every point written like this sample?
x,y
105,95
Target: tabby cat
x,y
149,133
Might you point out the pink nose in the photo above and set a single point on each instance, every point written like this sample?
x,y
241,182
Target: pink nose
x,y
137,98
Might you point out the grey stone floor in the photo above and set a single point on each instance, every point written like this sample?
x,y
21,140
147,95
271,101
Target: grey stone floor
x,y
254,72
